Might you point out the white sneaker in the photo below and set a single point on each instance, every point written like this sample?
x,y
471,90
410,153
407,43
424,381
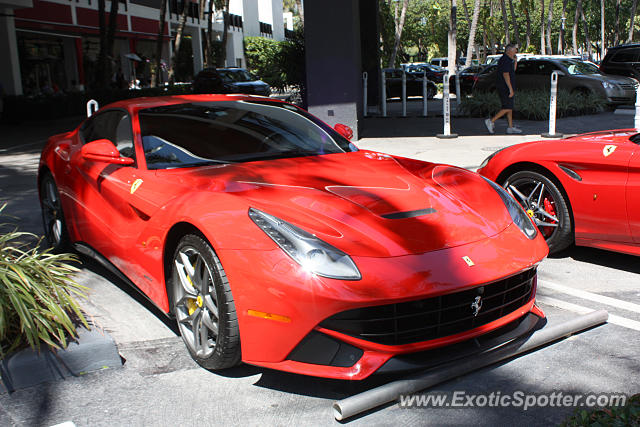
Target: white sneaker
x,y
514,130
490,126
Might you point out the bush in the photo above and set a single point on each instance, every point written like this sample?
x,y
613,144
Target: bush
x,y
36,296
533,105
627,415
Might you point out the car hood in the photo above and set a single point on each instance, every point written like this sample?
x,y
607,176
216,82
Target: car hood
x,y
371,204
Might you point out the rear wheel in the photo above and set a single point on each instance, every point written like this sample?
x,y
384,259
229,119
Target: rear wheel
x,y
203,305
55,229
545,204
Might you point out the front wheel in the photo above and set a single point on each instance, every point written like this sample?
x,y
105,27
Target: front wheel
x,y
203,305
55,229
545,204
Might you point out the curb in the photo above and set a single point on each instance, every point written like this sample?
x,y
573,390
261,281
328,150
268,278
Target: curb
x,y
93,351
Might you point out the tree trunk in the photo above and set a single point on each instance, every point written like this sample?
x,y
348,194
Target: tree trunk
x,y
178,42
472,32
633,16
616,35
574,33
466,12
453,32
157,72
542,41
527,16
399,28
225,34
102,54
585,29
563,20
601,29
300,10
516,27
549,22
505,22
209,38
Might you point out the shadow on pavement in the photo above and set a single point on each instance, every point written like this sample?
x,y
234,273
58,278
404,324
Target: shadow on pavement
x,y
615,260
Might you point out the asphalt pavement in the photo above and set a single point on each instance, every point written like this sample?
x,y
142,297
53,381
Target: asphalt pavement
x,y
160,385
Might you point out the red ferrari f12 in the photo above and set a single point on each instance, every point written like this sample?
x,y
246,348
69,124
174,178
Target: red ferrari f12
x,y
275,241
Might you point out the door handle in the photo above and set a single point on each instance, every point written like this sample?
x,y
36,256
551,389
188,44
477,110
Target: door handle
x,y
62,151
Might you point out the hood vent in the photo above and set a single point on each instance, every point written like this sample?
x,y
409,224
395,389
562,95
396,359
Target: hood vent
x,y
409,214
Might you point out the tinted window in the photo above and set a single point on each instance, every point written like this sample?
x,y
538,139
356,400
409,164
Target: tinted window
x,y
626,55
579,67
195,134
526,67
114,125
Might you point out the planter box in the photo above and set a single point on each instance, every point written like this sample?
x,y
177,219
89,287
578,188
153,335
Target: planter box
x,y
93,351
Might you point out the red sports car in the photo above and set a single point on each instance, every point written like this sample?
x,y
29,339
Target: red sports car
x,y
583,189
274,241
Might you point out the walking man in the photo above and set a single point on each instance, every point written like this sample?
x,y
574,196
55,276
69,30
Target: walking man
x,y
505,85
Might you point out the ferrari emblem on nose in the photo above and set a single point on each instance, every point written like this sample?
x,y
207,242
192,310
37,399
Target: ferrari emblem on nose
x,y
608,150
468,260
476,305
137,183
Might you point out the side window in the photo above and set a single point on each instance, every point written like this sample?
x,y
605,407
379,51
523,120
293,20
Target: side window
x,y
114,125
626,55
546,68
525,67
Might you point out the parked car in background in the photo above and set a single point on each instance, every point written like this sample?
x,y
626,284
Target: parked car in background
x,y
623,60
577,76
440,62
434,72
229,80
414,84
467,77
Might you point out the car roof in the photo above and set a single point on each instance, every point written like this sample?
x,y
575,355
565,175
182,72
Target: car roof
x,y
622,46
135,104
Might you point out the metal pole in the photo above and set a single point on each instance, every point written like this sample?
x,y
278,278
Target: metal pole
x,y
364,94
370,399
446,109
404,93
636,121
92,107
425,93
458,97
384,94
552,107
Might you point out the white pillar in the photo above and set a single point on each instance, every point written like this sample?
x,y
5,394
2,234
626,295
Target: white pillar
x,y
10,71
278,20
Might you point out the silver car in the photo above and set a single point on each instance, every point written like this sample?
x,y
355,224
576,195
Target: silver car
x,y
576,76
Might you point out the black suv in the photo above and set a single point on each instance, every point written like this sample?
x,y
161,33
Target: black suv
x,y
623,60
229,80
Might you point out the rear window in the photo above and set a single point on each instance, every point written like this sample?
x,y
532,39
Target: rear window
x,y
626,55
205,133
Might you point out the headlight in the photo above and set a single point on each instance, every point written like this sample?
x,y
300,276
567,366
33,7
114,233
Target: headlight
x,y
313,254
518,215
608,85
486,161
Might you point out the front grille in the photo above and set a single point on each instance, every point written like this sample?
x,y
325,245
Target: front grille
x,y
628,86
436,317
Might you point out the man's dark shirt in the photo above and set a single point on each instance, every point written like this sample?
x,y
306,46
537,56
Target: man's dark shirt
x,y
505,65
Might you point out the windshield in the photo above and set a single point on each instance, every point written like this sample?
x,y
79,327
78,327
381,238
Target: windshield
x,y
236,76
204,133
579,67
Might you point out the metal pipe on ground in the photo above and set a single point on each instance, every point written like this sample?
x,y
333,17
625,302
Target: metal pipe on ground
x,y
353,405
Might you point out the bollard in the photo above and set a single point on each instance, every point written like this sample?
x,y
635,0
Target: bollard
x,y
636,119
552,107
90,104
404,93
424,93
364,94
384,94
446,109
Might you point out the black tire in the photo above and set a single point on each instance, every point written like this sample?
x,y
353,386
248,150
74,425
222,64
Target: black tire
x,y
203,305
431,91
545,190
55,227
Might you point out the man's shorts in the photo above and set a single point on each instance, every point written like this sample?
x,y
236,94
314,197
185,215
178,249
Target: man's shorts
x,y
507,103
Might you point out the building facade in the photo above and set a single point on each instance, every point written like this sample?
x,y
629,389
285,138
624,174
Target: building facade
x,y
53,45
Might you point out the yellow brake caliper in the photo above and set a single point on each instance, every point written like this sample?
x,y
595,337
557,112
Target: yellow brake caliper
x,y
193,304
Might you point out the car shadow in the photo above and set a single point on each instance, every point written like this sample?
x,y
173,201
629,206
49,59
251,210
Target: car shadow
x,y
616,260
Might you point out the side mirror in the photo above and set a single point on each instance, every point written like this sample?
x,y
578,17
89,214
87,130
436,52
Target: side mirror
x,y
103,150
344,130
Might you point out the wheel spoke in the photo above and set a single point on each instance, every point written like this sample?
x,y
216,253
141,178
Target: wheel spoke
x,y
191,319
518,193
52,193
544,213
540,223
210,303
533,192
187,264
540,195
209,323
184,280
